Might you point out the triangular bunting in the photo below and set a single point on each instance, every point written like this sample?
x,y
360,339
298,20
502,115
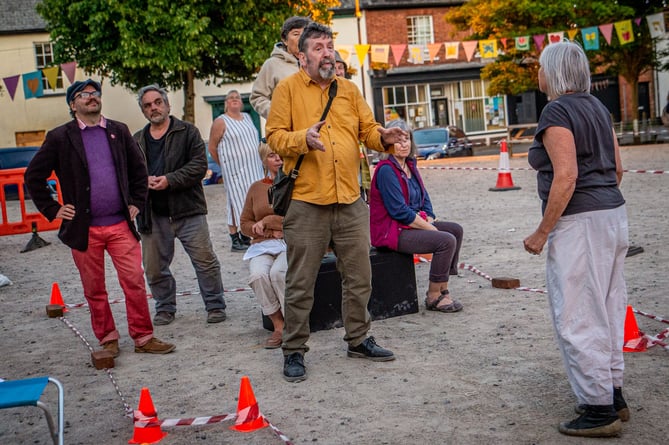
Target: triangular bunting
x,y
69,69
11,82
624,31
433,50
503,40
470,48
398,51
572,33
607,32
51,74
361,50
380,53
539,41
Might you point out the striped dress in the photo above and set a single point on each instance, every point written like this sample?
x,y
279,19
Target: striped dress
x,y
240,162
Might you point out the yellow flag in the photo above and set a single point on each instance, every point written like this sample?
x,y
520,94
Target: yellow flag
x,y
51,75
624,31
361,50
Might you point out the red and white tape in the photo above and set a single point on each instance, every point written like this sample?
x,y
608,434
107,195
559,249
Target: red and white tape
x,y
423,167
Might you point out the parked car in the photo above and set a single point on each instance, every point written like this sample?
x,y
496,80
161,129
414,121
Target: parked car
x,y
213,175
441,142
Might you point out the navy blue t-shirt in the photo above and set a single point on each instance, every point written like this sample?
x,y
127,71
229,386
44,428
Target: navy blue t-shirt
x,y
590,123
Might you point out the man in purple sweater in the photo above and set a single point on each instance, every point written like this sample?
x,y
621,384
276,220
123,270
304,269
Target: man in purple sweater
x,y
103,179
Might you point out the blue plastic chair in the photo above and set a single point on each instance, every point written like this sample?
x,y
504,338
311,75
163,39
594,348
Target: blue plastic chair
x,y
27,392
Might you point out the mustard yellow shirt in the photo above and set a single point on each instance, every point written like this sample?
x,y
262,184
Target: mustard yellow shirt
x,y
331,176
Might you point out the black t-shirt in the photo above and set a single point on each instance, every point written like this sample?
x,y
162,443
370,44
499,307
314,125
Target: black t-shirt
x,y
155,163
590,123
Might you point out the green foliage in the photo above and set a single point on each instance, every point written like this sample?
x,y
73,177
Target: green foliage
x,y
136,42
488,19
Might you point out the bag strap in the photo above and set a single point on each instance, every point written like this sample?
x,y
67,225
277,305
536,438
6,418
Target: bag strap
x,y
332,92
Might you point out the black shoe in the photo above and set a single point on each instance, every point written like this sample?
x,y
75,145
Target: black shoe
x,y
370,350
293,368
216,316
237,243
596,421
245,240
619,405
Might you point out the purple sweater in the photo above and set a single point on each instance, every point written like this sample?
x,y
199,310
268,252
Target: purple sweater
x,y
106,202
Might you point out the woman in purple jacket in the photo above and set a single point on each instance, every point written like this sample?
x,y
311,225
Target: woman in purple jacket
x,y
402,219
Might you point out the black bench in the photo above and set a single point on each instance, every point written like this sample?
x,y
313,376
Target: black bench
x,y
393,290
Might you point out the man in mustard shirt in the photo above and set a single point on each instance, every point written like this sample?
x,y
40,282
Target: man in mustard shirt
x,y
326,209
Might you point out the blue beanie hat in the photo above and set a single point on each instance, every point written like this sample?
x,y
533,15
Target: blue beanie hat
x,y
78,86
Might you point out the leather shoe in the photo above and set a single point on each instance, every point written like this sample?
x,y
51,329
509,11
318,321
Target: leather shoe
x,y
112,346
596,421
163,318
370,350
216,316
293,368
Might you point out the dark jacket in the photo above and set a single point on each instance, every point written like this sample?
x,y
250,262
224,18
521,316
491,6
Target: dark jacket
x,y
185,167
63,152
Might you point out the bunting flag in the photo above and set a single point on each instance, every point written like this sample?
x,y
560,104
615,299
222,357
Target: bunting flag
x,y
624,31
69,69
361,50
345,52
539,41
416,54
488,48
572,33
452,50
503,40
523,43
555,37
433,50
656,25
380,53
51,75
607,32
32,85
398,52
470,48
590,38
11,83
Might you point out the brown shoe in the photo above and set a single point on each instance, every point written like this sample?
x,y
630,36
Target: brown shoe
x,y
112,346
155,346
274,340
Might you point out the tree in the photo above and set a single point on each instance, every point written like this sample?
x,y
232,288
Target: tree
x,y
515,71
138,42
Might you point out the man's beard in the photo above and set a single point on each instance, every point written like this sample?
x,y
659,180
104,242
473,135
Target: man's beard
x,y
326,73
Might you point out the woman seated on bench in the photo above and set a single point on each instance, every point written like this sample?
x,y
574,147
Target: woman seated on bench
x,y
267,254
402,219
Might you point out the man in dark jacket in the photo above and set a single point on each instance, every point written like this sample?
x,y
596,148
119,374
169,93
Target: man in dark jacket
x,y
102,176
176,207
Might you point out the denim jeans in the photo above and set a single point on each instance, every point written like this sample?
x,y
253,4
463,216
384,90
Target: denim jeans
x,y
158,252
308,230
124,250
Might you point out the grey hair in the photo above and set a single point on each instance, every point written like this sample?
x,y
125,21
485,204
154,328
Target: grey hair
x,y
402,124
566,69
313,30
153,87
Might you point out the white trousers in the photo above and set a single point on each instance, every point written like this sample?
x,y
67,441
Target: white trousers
x,y
588,299
268,281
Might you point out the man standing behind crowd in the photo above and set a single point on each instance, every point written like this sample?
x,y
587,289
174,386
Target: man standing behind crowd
x,y
102,176
176,208
326,208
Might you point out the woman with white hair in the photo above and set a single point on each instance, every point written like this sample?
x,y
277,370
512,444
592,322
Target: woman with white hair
x,y
584,228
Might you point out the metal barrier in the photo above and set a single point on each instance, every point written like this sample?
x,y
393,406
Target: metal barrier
x,y
14,177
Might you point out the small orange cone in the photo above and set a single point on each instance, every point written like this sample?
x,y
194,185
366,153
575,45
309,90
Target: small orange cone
x,y
634,340
249,417
56,297
146,412
504,181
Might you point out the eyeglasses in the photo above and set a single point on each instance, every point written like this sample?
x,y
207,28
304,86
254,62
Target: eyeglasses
x,y
87,94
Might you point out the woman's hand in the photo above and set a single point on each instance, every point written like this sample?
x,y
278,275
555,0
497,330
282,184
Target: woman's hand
x,y
259,228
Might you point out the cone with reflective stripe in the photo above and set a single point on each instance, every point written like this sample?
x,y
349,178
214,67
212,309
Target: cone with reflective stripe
x,y
146,414
634,340
249,417
504,180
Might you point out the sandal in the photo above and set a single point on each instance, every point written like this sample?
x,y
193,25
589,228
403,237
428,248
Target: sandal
x,y
455,306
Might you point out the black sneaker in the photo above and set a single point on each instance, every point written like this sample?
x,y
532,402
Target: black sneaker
x,y
596,421
293,368
238,245
370,350
619,405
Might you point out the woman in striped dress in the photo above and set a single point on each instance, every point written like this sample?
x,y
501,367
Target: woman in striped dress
x,y
233,143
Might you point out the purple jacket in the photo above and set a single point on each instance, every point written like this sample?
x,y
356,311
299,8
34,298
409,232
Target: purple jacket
x,y
63,152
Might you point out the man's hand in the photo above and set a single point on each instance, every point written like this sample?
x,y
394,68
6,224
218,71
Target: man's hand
x,y
314,137
394,135
66,212
158,182
134,211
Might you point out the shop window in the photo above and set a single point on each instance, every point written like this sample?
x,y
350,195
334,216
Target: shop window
x,y
419,30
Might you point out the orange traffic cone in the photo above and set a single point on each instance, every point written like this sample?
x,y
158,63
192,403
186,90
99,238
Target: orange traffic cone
x,y
504,181
249,417
56,297
634,340
150,431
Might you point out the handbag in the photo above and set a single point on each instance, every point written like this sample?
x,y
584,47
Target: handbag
x,y
280,192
